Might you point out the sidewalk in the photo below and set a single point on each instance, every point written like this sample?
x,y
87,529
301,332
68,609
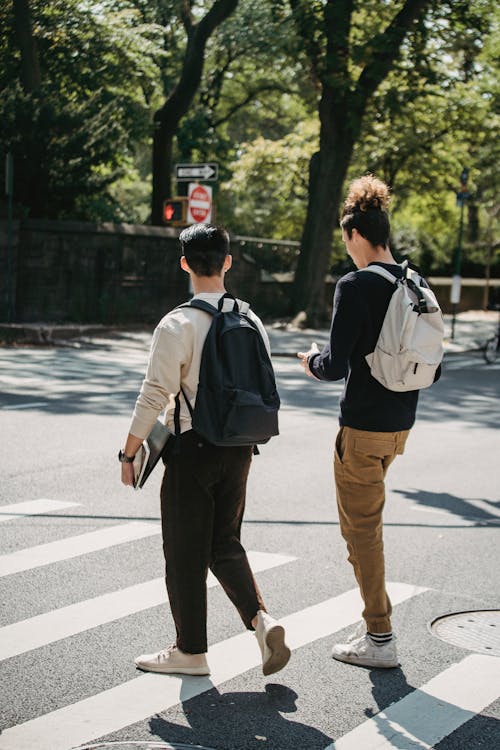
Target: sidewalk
x,y
472,328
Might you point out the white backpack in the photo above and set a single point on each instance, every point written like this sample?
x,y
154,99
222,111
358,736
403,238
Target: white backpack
x,y
410,345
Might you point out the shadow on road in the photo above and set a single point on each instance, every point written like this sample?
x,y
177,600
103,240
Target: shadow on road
x,y
399,723
106,380
242,720
458,506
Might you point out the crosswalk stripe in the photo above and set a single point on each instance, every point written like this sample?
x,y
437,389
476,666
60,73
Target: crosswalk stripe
x,y
423,718
144,696
74,546
32,508
34,632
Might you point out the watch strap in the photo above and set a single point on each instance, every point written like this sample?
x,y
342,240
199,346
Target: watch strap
x,y
124,459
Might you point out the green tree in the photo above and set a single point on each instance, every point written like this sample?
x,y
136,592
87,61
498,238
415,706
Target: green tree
x,y
349,64
77,83
352,50
434,114
180,98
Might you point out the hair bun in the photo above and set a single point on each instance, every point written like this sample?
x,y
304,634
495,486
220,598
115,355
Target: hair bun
x,y
367,193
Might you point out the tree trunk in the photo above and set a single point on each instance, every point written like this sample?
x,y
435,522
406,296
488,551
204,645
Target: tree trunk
x,y
167,118
30,65
31,186
341,111
327,172
163,139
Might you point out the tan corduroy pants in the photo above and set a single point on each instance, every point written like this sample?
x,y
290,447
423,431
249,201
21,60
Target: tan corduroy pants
x,y
361,462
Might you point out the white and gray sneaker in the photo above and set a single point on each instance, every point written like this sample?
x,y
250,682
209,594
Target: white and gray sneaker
x,y
173,661
271,639
361,650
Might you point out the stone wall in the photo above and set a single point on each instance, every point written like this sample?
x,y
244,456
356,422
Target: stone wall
x,y
121,274
99,273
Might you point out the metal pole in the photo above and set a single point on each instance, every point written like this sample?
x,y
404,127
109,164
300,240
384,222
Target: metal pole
x,y
455,292
462,196
9,189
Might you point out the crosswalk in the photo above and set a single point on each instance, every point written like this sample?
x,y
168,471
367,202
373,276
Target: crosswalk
x,y
419,720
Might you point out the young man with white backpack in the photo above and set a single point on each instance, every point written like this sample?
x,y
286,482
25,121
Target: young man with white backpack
x,y
210,368
386,341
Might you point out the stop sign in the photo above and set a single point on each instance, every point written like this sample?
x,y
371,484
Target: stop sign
x,y
200,203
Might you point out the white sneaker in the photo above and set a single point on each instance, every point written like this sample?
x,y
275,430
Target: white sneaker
x,y
271,639
173,661
363,652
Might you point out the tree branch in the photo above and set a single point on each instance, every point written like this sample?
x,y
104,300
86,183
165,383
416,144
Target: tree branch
x,y
218,13
250,97
307,27
177,103
338,15
186,16
384,48
30,64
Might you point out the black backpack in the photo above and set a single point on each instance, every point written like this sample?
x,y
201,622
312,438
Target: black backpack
x,y
237,402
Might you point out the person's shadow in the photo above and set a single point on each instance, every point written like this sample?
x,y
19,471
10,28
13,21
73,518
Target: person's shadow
x,y
250,721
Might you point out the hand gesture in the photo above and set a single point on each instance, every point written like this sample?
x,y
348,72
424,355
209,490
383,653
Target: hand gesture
x,y
304,356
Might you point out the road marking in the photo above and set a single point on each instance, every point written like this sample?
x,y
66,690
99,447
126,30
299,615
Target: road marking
x,y
137,699
32,508
32,405
74,546
423,718
34,632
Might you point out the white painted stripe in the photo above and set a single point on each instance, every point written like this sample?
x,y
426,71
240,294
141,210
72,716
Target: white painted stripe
x,y
32,508
60,623
197,203
423,718
144,696
32,405
74,546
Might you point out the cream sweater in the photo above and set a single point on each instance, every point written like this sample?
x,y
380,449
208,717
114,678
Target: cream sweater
x,y
174,360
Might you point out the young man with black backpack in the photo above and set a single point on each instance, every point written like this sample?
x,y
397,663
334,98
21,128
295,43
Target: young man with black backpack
x,y
210,367
378,405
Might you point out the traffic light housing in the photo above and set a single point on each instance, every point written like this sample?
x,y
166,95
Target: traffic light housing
x,y
175,211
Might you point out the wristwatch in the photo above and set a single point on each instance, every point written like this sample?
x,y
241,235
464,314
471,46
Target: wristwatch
x,y
123,459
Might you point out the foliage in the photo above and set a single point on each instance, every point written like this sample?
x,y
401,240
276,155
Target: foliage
x,y
82,139
266,196
75,134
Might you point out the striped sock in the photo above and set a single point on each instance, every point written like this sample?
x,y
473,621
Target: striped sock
x,y
380,639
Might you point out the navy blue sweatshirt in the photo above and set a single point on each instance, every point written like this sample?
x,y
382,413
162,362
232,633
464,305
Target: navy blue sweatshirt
x,y
359,307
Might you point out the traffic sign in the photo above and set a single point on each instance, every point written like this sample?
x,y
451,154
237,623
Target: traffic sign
x,y
186,172
174,211
199,203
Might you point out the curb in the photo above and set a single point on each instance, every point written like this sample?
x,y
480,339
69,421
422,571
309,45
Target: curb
x,y
12,334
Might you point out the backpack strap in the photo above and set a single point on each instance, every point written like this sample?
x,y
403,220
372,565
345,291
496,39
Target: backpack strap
x,y
200,304
412,278
382,272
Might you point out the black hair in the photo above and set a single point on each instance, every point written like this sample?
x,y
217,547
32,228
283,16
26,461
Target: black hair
x,y
365,209
205,247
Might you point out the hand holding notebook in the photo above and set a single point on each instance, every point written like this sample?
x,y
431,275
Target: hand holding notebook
x,y
150,453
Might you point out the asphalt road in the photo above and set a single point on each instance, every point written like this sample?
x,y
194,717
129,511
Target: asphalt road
x,y
81,577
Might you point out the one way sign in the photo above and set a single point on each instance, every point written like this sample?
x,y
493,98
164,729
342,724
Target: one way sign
x,y
189,172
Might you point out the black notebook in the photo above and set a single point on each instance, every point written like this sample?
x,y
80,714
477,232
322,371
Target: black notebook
x,y
150,453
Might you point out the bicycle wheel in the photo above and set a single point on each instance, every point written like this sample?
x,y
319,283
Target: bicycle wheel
x,y
491,352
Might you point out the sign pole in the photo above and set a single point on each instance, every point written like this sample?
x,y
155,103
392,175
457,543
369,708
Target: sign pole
x,y
462,197
9,190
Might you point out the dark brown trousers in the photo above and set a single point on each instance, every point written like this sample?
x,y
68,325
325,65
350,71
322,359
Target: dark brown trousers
x,y
202,506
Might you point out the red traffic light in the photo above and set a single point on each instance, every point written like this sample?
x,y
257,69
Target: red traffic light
x,y
174,211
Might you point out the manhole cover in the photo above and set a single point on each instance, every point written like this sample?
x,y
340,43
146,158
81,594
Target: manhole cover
x,y
478,630
148,745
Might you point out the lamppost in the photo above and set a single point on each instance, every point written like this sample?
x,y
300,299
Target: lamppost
x,y
462,197
9,191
